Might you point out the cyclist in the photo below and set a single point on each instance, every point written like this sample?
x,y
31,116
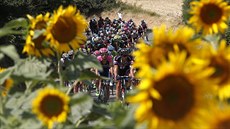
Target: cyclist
x,y
140,31
96,53
122,67
145,27
101,23
106,61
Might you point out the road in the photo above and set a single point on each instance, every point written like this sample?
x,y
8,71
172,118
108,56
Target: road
x,y
112,97
150,36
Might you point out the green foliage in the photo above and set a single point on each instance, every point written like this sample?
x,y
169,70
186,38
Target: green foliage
x,y
134,9
17,26
185,10
90,7
14,28
10,51
227,34
78,68
19,8
31,69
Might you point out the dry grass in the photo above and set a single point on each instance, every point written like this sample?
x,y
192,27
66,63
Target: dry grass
x,y
154,12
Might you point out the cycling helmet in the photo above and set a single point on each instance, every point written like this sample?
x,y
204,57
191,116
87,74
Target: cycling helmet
x,y
111,48
103,50
96,53
65,55
70,53
124,51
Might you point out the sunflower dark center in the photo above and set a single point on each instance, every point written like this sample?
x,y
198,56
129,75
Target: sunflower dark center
x,y
222,69
224,124
38,42
153,59
40,25
64,30
210,13
51,106
167,47
177,98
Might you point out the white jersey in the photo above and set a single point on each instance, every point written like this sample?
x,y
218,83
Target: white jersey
x,y
119,15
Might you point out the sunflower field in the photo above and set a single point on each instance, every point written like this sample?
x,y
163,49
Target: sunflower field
x,y
184,73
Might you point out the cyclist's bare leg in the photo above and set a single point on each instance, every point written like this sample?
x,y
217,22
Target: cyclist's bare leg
x,y
129,83
118,87
76,86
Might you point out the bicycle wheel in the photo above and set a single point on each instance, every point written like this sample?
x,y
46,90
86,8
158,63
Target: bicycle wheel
x,y
105,94
123,94
101,95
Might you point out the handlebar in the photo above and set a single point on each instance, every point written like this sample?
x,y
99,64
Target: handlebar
x,y
123,77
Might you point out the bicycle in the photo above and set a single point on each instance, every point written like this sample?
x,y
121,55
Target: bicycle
x,y
124,88
82,87
135,82
104,91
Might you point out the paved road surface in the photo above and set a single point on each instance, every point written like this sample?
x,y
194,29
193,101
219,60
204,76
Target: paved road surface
x,y
112,97
150,37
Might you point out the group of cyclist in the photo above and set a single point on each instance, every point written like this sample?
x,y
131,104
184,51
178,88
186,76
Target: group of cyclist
x,y
112,42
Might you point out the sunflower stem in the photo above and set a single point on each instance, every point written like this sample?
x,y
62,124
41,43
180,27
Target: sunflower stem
x,y
79,122
71,87
29,86
60,70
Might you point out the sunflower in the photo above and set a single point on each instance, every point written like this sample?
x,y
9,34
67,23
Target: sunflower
x,y
165,41
66,29
140,55
174,95
7,84
220,59
35,43
209,15
183,37
218,117
51,105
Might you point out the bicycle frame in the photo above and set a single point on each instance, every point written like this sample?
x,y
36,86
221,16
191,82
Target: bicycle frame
x,y
123,89
103,95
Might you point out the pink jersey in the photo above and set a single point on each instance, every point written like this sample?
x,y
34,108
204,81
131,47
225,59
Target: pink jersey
x,y
109,58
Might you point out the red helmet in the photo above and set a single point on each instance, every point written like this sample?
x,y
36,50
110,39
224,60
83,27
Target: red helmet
x,y
103,50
